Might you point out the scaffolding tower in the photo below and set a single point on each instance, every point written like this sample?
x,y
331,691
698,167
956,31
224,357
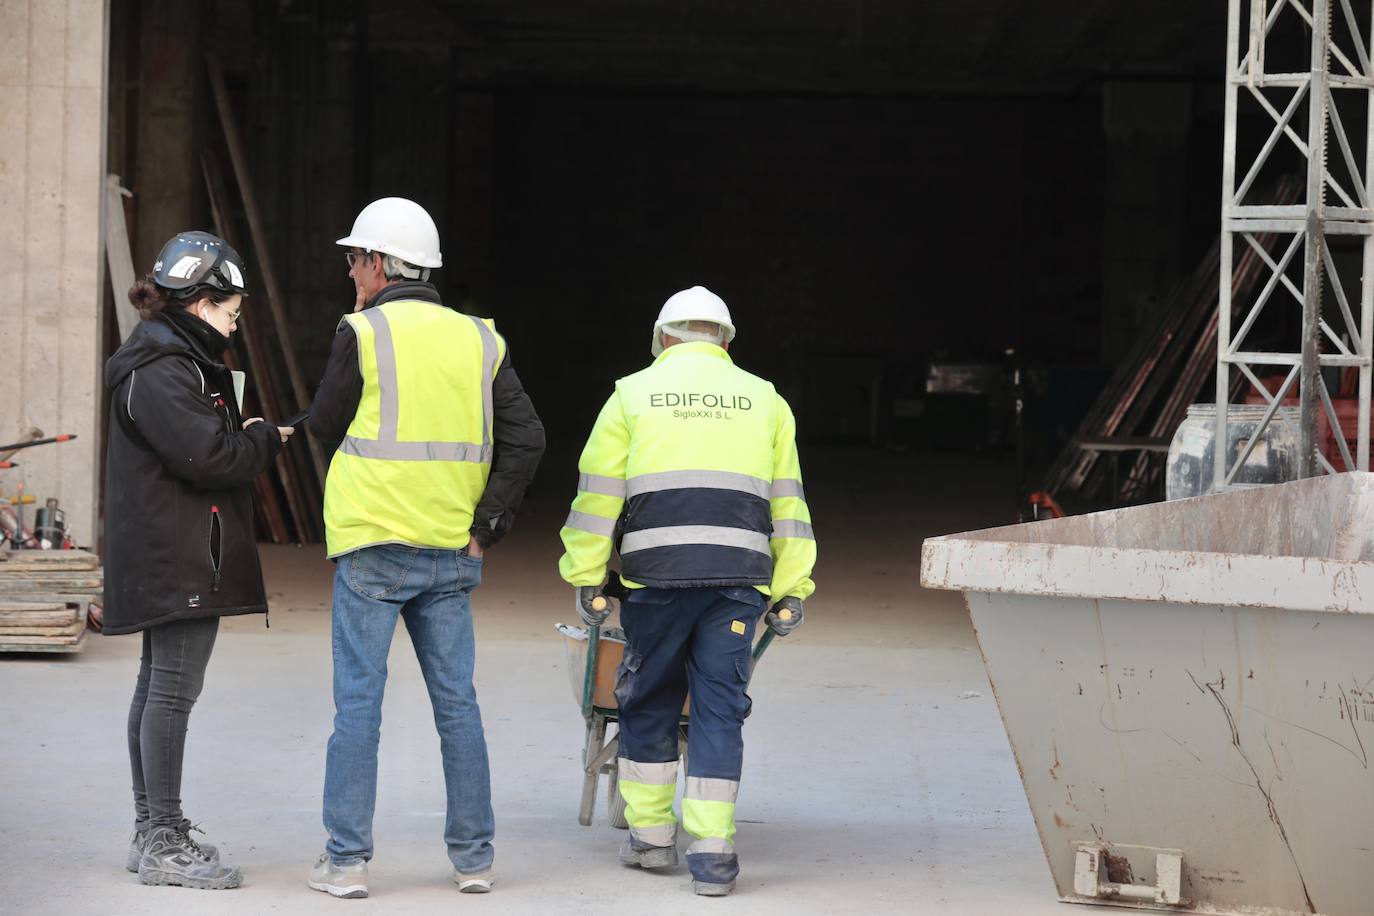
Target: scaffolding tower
x,y
1329,92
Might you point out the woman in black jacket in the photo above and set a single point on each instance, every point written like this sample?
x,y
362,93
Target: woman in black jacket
x,y
180,551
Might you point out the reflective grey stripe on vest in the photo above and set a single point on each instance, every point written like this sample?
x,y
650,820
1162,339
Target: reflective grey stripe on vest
x,y
715,480
649,774
786,487
679,535
417,451
791,528
384,349
606,486
387,446
593,524
702,788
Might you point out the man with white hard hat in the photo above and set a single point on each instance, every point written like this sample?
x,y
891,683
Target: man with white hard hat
x,y
691,473
437,443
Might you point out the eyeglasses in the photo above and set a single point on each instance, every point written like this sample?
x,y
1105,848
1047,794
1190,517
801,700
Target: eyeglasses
x,y
234,314
353,257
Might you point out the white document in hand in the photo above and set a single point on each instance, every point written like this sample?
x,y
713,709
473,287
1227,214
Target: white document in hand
x,y
240,380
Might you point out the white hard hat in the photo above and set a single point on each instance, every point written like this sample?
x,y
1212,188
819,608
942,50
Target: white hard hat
x,y
695,304
396,226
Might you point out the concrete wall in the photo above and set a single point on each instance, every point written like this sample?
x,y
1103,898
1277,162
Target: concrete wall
x,y
52,120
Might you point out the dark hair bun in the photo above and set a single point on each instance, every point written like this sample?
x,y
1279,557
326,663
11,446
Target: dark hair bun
x,y
145,296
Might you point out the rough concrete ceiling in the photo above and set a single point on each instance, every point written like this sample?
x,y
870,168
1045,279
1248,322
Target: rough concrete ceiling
x,y
1001,46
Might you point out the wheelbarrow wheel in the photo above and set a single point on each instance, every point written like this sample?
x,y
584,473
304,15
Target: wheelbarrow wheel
x,y
615,802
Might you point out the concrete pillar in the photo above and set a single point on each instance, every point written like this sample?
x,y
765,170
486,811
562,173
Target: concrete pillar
x,y
1147,127
52,130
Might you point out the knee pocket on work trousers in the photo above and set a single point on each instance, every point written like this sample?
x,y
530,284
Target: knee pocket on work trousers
x,y
624,682
377,572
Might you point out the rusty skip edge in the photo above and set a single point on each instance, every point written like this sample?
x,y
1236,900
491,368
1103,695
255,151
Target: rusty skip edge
x,y
1167,576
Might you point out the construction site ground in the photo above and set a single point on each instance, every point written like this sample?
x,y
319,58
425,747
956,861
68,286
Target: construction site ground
x,y
877,776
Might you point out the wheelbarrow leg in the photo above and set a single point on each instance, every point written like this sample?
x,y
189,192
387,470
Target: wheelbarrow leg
x,y
591,771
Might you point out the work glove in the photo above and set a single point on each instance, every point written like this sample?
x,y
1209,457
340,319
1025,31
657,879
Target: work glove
x,y
785,616
593,611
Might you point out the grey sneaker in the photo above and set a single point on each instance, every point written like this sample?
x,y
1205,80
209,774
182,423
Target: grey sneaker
x,y
140,838
348,881
708,889
479,883
171,857
649,857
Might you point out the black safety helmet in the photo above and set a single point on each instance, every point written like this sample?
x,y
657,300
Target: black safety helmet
x,y
194,263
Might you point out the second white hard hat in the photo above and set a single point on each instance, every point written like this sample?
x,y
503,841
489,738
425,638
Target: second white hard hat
x,y
695,304
396,226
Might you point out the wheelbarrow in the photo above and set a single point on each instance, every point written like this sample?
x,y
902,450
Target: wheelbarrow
x,y
593,658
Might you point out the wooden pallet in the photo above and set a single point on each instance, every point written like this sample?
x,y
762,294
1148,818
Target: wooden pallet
x,y
44,598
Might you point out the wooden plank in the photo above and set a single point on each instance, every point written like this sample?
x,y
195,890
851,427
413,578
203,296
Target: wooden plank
x,y
62,617
256,230
118,255
71,628
264,379
37,643
29,582
30,607
43,560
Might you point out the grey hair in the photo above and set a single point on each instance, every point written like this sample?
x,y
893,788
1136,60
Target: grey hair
x,y
393,268
694,330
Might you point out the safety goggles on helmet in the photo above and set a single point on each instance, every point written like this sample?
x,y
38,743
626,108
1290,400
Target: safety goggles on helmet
x,y
192,263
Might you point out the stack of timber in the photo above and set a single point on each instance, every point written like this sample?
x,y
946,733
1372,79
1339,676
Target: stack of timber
x,y
44,598
1148,395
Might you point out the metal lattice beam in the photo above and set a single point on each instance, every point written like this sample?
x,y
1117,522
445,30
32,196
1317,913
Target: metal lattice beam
x,y
1340,76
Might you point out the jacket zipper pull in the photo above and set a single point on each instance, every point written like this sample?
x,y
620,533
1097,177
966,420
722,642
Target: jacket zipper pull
x,y
214,560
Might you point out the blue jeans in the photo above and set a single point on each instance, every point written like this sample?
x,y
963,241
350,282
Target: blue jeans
x,y
432,591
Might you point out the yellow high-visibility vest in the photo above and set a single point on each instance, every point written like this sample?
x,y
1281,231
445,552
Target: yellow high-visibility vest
x,y
417,455
691,472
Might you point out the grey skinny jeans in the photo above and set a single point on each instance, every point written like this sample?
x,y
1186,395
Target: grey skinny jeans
x,y
169,681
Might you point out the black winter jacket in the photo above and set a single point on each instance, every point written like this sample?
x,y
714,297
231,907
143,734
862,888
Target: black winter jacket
x,y
178,504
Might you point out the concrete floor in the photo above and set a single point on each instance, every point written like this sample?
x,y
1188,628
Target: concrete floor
x,y
870,784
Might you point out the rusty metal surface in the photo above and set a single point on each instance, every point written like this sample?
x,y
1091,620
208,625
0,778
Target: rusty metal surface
x,y
1169,715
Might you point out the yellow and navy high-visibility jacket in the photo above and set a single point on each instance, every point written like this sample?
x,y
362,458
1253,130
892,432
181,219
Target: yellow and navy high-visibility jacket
x,y
417,455
691,473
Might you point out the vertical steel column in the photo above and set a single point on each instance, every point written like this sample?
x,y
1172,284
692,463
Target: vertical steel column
x,y
1339,65
1308,398
1228,191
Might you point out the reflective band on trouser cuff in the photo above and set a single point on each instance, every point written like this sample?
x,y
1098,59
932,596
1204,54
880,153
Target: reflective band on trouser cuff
x,y
594,524
713,480
384,350
791,528
717,790
786,487
658,835
679,535
417,451
712,844
709,818
650,774
605,486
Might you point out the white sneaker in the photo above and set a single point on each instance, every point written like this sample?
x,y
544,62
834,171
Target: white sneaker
x,y
339,880
479,883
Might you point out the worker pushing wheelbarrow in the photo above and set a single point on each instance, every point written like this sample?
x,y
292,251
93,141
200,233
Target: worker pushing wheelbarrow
x,y
690,474
594,655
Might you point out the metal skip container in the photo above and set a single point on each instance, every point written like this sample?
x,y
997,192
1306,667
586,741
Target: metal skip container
x,y
1188,688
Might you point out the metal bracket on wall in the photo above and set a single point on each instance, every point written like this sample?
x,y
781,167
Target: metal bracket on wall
x,y
1093,876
